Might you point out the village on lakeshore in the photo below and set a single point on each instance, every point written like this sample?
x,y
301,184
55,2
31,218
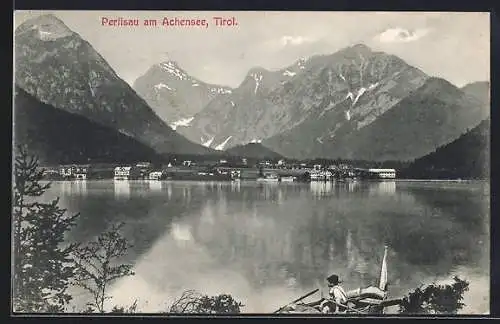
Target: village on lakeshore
x,y
221,170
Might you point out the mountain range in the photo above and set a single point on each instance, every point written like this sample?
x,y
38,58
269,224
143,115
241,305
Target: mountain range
x,y
57,67
245,115
356,103
428,117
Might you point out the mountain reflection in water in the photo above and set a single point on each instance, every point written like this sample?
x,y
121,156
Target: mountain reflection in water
x,y
268,243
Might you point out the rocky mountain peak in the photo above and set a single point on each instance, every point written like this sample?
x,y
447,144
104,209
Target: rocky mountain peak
x,y
173,68
256,71
44,27
170,63
301,63
174,94
361,48
356,51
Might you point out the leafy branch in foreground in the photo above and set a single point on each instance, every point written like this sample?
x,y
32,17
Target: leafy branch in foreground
x,y
436,299
97,265
193,302
43,265
120,309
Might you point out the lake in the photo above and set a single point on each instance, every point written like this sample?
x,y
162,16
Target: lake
x,y
269,243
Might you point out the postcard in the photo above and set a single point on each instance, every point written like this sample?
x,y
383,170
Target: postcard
x,y
251,162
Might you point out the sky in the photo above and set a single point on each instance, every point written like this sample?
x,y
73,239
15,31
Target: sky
x,y
454,46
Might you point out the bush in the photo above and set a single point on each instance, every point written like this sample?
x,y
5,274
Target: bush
x,y
436,299
193,302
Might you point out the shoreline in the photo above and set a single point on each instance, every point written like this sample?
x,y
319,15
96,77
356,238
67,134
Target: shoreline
x,y
255,180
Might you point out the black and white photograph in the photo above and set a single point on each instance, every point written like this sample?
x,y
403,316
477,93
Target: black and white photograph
x,y
334,163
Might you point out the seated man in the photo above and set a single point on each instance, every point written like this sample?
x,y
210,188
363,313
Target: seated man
x,y
336,302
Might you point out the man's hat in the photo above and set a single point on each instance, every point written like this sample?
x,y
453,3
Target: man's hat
x,y
333,279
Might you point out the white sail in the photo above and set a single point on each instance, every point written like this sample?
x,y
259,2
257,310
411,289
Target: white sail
x,y
383,271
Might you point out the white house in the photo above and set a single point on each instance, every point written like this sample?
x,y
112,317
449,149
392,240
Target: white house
x,y
383,173
81,176
81,172
123,173
66,171
155,175
78,172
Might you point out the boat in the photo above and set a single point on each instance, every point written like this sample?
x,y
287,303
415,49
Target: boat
x,y
369,300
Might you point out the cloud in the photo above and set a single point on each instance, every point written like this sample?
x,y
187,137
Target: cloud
x,y
401,35
293,40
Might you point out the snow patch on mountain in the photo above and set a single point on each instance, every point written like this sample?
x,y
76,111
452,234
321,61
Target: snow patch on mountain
x,y
207,143
91,88
232,103
361,91
162,85
181,122
44,35
220,147
256,141
348,115
289,73
173,69
258,79
301,62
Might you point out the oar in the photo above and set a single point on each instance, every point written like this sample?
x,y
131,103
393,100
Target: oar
x,y
298,299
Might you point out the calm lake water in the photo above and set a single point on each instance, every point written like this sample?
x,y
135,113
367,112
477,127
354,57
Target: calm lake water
x,y
267,244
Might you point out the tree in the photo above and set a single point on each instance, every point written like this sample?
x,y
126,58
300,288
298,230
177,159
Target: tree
x,y
194,302
97,265
436,299
42,266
